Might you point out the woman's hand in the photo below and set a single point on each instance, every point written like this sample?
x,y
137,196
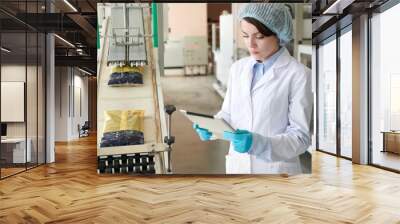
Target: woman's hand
x,y
241,140
204,134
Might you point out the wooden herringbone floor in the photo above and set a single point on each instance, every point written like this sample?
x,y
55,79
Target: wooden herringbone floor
x,y
70,191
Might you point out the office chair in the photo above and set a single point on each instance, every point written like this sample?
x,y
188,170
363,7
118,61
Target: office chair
x,y
84,130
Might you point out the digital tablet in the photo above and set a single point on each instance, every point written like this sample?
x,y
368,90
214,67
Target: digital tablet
x,y
215,125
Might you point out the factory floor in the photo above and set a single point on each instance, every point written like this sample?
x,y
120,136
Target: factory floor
x,y
190,155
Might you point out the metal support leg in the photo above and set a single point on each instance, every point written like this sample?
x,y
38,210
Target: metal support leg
x,y
169,139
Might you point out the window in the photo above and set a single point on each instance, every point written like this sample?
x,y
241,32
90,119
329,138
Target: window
x,y
22,74
385,89
346,94
327,97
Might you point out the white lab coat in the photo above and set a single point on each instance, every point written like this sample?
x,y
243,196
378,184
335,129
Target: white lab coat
x,y
277,111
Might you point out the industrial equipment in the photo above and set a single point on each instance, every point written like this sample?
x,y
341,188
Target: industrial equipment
x,y
125,45
190,54
224,56
127,36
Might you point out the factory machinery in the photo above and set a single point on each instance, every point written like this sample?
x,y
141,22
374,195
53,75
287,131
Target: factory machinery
x,y
127,38
126,48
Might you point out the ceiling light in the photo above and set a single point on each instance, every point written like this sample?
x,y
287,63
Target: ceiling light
x,y
5,50
70,5
336,6
65,41
84,71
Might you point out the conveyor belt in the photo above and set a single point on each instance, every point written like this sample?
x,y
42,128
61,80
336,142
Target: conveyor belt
x,y
127,36
152,156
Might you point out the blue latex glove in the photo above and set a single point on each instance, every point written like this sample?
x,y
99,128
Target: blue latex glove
x,y
204,134
241,139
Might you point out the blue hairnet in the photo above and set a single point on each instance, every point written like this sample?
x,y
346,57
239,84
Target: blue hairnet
x,y
275,16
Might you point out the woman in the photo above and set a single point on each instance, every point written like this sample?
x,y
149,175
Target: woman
x,y
268,99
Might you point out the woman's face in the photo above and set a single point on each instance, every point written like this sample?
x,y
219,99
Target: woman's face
x,y
260,47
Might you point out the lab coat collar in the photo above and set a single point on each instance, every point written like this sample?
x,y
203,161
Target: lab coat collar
x,y
283,60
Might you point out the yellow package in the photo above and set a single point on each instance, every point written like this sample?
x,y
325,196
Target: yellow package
x,y
121,120
128,69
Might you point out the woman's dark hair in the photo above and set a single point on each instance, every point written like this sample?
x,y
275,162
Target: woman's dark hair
x,y
260,27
